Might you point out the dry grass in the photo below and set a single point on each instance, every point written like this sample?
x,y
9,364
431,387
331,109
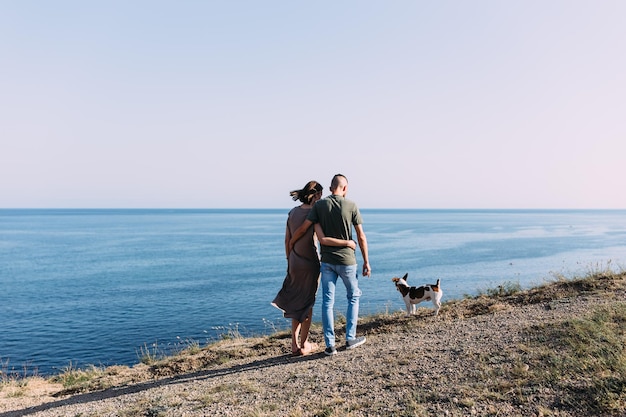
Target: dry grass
x,y
584,359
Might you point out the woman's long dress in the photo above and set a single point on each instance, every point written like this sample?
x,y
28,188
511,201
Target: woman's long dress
x,y
297,296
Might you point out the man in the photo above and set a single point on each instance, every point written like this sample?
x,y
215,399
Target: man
x,y
334,217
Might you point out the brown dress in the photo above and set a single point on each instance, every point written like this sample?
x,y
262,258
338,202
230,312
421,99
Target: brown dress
x,y
297,295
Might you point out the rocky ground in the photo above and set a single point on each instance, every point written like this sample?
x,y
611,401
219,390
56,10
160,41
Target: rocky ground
x,y
476,358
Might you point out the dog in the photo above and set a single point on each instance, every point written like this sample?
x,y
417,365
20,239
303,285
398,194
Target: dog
x,y
415,295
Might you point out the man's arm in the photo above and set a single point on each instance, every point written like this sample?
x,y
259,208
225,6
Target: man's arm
x,y
331,241
300,231
367,270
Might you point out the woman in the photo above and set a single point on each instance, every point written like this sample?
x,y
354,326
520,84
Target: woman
x,y
297,295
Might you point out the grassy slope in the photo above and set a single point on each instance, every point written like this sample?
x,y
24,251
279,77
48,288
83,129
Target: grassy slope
x,y
582,358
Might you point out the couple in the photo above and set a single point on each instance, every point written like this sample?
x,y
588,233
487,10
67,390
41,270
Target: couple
x,y
333,218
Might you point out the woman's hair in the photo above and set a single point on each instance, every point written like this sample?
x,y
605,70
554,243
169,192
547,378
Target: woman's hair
x,y
307,193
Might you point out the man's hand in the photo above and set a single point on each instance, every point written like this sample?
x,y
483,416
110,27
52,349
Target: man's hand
x,y
367,271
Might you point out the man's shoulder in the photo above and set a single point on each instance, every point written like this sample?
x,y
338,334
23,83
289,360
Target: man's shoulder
x,y
323,202
349,203
312,215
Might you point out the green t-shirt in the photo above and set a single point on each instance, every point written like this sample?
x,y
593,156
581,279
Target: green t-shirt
x,y
336,215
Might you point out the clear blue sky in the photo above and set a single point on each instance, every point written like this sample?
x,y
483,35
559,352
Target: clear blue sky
x,y
421,104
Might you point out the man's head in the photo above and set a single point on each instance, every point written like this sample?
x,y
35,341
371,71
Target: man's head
x,y
339,185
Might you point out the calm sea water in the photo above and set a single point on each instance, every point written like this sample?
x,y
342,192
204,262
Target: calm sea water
x,y
98,286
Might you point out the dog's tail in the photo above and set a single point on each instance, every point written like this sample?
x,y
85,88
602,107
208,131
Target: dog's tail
x,y
436,287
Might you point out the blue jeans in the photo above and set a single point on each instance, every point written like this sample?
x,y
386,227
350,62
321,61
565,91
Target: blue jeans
x,y
349,276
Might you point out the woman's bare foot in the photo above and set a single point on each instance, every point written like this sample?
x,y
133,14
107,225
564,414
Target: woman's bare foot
x,y
309,348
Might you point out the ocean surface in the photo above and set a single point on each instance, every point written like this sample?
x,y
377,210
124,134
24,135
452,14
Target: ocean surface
x,y
102,287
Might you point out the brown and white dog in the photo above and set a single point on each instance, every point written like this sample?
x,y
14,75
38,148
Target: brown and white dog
x,y
415,295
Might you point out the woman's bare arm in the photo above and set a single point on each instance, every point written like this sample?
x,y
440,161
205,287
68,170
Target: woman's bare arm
x,y
287,240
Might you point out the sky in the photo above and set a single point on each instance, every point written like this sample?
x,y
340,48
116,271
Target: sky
x,y
232,104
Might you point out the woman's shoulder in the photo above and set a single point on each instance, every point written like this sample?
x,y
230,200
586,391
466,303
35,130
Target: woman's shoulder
x,y
300,209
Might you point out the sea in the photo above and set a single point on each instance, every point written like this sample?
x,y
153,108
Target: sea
x,y
82,287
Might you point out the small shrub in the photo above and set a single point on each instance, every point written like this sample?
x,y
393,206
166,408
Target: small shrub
x,y
77,380
230,332
504,290
150,355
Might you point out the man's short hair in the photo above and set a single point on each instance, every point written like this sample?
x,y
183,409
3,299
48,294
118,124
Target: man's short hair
x,y
336,181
